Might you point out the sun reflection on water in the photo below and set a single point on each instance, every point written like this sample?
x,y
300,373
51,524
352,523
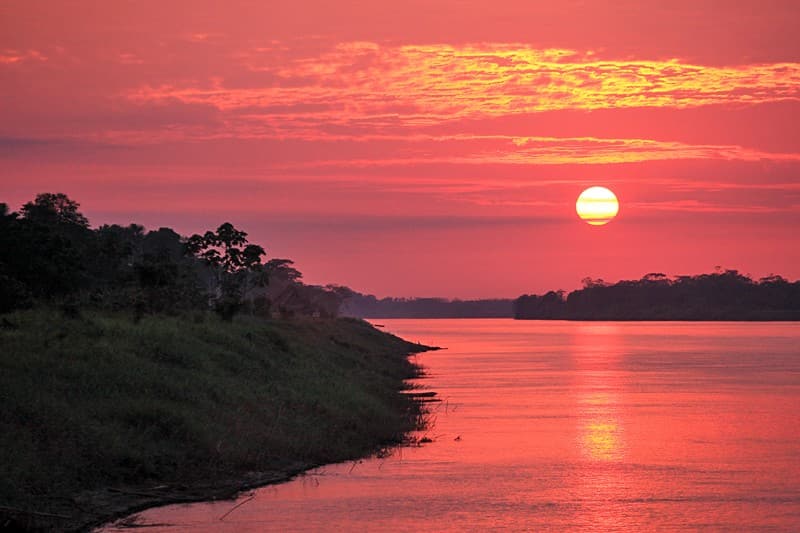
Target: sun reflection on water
x,y
601,440
598,352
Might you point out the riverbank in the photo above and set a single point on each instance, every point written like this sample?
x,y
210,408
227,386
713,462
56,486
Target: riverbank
x,y
103,416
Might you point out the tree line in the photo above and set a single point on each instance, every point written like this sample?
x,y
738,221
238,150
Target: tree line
x,y
721,295
368,306
49,255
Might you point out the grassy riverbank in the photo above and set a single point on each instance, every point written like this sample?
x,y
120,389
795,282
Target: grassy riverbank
x,y
101,402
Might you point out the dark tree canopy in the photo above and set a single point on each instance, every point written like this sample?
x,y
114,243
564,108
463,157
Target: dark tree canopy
x,y
50,255
235,263
722,295
54,208
368,306
282,269
226,249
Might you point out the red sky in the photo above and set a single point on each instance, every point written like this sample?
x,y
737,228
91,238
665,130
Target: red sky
x,y
420,148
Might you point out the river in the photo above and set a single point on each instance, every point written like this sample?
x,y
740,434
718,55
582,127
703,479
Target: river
x,y
549,425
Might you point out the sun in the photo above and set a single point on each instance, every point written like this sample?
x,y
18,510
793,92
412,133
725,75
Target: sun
x,y
597,206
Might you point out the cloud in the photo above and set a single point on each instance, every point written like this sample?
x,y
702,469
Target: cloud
x,y
428,84
12,57
697,206
513,150
23,147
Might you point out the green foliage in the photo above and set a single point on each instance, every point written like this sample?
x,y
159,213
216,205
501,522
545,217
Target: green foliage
x,y
100,401
119,376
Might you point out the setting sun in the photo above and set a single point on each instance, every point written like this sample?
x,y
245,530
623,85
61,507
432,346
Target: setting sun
x,y
597,206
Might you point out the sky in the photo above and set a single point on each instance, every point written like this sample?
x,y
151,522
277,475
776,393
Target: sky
x,y
420,148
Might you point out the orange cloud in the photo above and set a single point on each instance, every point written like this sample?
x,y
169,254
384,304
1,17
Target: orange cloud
x,y
421,85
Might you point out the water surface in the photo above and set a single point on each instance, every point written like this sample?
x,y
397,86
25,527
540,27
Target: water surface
x,y
545,425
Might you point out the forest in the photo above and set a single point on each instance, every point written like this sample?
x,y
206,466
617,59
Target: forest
x,y
142,367
50,255
368,306
721,295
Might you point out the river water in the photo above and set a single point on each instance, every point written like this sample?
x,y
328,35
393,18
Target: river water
x,y
546,425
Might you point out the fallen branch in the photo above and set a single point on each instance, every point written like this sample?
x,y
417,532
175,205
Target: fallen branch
x,y
232,509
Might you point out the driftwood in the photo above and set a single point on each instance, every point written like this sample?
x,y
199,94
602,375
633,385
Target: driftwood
x,y
232,509
422,397
424,394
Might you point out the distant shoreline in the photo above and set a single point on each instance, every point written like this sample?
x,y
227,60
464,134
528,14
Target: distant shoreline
x,y
796,319
724,295
601,319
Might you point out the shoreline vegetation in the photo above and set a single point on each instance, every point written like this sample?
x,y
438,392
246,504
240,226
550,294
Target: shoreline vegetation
x,y
724,295
104,416
140,368
368,306
721,295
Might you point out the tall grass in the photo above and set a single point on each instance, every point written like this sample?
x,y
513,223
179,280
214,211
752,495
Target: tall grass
x,y
100,401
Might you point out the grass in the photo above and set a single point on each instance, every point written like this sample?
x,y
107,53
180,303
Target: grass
x,y
100,401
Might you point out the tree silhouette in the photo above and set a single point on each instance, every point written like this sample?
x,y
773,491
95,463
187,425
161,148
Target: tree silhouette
x,y
721,295
48,246
231,260
49,255
54,208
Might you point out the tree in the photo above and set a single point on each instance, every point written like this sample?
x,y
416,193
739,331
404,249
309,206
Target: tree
x,y
13,293
117,248
232,262
590,283
49,246
282,270
54,208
